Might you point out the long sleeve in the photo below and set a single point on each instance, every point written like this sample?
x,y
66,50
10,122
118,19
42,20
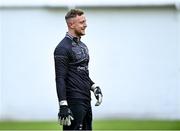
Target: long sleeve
x,y
61,69
91,82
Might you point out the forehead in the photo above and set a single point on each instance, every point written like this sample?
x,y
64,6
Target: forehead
x,y
80,18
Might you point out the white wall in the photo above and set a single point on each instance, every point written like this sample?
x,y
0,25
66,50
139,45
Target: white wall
x,y
29,38
0,66
137,61
134,57
178,14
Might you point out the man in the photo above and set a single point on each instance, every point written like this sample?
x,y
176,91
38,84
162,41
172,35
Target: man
x,y
72,76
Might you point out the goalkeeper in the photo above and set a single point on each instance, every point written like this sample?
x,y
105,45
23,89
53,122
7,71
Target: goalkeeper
x,y
73,83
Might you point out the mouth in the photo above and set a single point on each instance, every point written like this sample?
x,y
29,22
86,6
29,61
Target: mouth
x,y
83,29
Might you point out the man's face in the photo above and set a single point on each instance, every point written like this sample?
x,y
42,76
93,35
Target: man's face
x,y
79,25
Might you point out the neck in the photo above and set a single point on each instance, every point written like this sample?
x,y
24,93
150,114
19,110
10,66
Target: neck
x,y
73,34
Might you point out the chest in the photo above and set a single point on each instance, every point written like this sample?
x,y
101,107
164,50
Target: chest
x,y
79,52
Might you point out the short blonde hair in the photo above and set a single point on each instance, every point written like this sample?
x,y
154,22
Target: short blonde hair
x,y
73,13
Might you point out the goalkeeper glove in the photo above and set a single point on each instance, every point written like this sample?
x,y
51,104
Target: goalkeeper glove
x,y
65,115
97,93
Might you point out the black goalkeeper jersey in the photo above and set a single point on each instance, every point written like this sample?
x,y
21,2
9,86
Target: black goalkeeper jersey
x,y
71,68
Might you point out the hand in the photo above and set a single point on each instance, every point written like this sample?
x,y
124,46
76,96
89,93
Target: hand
x,y
98,94
65,115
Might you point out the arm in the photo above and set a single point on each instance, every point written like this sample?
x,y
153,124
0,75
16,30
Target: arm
x,y
61,69
97,91
98,94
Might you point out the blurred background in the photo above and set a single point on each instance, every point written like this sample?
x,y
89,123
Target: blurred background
x,y
134,51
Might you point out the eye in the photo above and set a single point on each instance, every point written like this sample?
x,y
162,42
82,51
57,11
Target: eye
x,y
82,22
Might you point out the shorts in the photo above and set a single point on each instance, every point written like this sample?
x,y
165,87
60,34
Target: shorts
x,y
82,114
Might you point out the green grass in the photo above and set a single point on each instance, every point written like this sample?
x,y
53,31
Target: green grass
x,y
97,125
28,125
136,125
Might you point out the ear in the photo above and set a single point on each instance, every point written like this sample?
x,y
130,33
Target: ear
x,y
71,24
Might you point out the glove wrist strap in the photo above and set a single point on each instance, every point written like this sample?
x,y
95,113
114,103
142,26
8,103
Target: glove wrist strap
x,y
93,87
63,103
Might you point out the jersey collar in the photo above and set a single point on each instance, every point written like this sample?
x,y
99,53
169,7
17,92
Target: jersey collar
x,y
75,39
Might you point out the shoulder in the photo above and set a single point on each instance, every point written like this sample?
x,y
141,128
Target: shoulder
x,y
63,47
65,44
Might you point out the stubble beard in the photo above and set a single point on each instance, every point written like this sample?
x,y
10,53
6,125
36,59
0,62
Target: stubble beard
x,y
79,33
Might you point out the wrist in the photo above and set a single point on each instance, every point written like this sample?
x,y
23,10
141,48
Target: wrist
x,y
63,103
93,87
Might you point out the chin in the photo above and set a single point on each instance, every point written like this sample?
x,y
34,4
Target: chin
x,y
83,33
80,34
